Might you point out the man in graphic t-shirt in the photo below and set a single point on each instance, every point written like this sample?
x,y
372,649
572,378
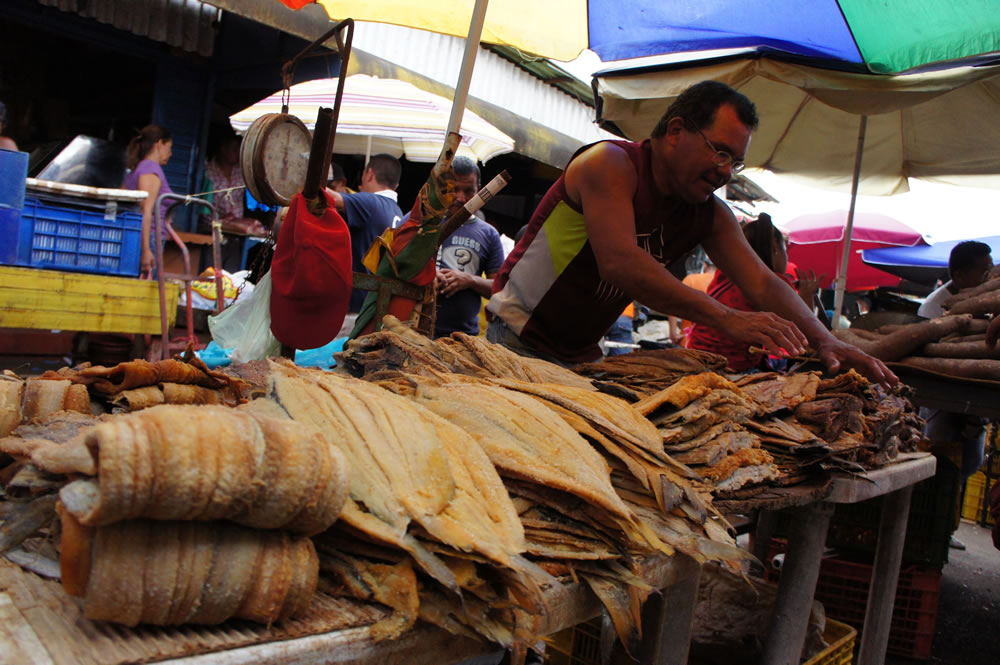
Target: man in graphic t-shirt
x,y
472,250
369,212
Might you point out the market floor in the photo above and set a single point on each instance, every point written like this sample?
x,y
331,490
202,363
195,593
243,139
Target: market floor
x,y
968,621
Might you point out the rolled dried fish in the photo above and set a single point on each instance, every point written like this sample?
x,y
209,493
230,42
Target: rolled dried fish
x,y
170,573
11,392
206,463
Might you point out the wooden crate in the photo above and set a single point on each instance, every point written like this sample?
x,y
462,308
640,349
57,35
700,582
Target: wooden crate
x,y
56,300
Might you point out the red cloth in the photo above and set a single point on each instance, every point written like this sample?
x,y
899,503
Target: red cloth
x,y
310,276
706,338
297,4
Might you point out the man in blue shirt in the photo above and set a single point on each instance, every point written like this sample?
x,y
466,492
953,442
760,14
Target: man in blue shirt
x,y
473,249
368,212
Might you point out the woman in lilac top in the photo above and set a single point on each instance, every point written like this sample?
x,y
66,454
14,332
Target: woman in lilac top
x,y
147,153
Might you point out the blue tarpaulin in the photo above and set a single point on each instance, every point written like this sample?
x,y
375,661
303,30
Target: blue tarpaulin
x,y
924,264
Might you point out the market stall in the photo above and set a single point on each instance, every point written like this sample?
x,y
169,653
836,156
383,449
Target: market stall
x,y
607,515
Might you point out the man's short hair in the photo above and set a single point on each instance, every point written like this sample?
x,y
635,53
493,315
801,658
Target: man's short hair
x,y
964,255
463,165
387,170
697,106
336,173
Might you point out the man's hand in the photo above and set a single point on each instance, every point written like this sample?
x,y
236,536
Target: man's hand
x,y
838,355
767,331
449,282
808,285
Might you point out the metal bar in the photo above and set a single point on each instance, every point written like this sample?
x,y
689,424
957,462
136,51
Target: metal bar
x,y
161,277
319,162
468,64
288,69
787,629
838,296
885,576
220,298
667,618
345,58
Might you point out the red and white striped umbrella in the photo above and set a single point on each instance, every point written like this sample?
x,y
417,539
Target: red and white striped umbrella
x,y
384,116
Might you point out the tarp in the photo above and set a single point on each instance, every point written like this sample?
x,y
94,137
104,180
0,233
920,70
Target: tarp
x,y
936,125
816,242
883,36
924,264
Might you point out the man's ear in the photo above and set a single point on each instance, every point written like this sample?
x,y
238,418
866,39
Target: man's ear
x,y
674,128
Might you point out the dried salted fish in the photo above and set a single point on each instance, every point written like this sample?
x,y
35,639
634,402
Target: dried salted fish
x,y
135,399
44,397
784,391
500,361
750,465
715,449
684,392
25,519
394,586
419,467
206,463
521,437
396,474
11,394
610,415
169,573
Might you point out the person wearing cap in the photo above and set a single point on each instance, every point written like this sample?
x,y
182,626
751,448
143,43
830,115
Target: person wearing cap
x,y
337,180
369,212
464,256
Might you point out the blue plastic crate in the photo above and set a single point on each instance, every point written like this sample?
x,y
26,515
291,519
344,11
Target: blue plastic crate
x,y
78,238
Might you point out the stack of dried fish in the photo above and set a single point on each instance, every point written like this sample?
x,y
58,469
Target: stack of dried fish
x,y
860,422
702,421
27,400
398,348
471,492
423,497
138,384
649,371
274,481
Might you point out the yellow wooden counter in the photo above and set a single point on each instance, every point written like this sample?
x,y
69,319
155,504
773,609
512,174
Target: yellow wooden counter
x,y
57,300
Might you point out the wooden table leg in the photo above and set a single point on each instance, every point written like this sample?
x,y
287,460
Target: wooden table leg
x,y
806,540
767,523
885,575
666,630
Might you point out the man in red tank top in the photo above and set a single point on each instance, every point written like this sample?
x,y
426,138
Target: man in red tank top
x,y
609,223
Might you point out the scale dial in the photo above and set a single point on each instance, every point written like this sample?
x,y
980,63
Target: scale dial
x,y
274,158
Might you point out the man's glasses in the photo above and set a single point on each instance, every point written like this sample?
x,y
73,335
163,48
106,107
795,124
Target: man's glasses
x,y
723,158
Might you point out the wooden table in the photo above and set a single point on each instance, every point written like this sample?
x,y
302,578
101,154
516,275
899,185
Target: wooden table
x,y
666,630
40,623
807,539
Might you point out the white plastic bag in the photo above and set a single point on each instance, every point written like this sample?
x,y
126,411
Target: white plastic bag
x,y
246,326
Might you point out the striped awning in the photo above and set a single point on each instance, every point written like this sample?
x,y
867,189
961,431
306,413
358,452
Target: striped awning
x,y
399,118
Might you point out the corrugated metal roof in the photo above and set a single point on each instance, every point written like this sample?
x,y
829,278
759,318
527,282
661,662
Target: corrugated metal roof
x,y
495,79
186,24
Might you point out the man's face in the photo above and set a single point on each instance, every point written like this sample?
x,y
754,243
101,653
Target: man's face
x,y
976,274
692,173
466,187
